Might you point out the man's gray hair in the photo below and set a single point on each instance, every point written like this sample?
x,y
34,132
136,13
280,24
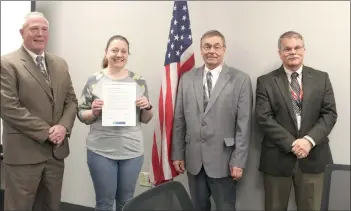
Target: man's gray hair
x,y
289,34
213,33
33,14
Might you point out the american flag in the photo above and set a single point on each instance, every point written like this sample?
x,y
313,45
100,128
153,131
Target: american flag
x,y
179,59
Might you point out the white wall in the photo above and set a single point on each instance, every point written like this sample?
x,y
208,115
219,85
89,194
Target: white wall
x,y
79,31
12,16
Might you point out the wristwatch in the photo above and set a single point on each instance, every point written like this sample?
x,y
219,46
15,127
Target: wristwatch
x,y
68,134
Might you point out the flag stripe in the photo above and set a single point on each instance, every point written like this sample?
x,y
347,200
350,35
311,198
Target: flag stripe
x,y
187,65
186,55
168,122
155,160
174,75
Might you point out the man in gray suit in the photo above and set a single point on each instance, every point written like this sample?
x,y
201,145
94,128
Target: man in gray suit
x,y
295,108
212,126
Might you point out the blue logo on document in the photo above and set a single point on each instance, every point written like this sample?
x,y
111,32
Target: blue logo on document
x,y
119,123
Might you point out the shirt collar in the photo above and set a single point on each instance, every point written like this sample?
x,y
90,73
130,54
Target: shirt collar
x,y
289,72
215,71
33,55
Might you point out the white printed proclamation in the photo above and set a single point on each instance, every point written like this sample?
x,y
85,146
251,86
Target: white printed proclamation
x,y
119,104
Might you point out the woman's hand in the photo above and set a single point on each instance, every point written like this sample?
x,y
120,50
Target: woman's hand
x,y
142,103
96,107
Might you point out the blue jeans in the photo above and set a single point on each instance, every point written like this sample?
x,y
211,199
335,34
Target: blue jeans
x,y
113,180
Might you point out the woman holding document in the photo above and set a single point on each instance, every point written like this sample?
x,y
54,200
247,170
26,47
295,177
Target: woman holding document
x,y
114,102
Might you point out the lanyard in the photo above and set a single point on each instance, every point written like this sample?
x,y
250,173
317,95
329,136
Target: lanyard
x,y
298,100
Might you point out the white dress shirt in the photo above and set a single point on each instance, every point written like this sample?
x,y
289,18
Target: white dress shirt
x,y
215,74
299,79
34,57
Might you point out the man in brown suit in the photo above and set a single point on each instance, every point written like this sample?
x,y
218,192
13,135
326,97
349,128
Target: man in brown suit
x,y
295,108
38,108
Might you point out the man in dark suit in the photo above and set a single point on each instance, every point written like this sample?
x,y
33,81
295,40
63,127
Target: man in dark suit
x,y
295,108
212,126
38,108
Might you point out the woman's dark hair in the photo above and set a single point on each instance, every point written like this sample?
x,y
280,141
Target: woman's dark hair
x,y
115,37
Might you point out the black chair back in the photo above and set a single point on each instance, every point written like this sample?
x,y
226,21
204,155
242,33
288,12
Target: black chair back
x,y
167,196
336,188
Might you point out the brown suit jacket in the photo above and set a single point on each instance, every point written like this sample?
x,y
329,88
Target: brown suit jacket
x,y
29,107
275,116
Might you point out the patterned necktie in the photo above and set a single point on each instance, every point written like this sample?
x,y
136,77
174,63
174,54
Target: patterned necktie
x,y
209,89
209,83
42,69
295,96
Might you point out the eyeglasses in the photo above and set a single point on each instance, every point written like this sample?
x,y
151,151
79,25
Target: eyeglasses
x,y
209,47
289,50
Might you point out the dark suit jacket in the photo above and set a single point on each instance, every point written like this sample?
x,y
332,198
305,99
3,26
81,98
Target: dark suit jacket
x,y
29,107
275,117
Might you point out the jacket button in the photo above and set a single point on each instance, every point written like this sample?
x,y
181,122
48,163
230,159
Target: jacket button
x,y
203,123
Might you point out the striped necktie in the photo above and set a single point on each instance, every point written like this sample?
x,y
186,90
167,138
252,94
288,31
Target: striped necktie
x,y
40,64
296,95
209,89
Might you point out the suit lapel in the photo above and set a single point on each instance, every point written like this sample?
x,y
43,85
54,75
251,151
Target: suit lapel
x,y
307,83
223,78
52,73
198,87
283,84
33,69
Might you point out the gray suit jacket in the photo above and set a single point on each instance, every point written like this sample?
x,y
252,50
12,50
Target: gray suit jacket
x,y
218,137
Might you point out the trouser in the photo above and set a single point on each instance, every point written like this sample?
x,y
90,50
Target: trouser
x,y
222,190
113,180
307,186
34,186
